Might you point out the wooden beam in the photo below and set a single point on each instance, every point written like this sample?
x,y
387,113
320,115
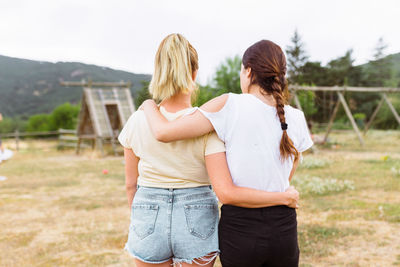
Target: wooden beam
x,y
373,115
350,116
396,115
90,83
129,97
344,88
94,119
108,122
78,146
99,145
297,101
328,130
110,129
119,107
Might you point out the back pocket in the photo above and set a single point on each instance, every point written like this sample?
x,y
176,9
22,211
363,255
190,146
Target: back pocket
x,y
201,219
144,219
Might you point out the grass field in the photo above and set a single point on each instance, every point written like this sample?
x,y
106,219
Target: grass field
x,y
58,209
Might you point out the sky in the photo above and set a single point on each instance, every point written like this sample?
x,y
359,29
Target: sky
x,y
125,35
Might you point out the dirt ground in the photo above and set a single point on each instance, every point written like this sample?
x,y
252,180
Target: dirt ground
x,y
59,209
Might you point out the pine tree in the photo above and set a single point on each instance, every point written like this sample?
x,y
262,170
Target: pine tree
x,y
379,49
296,57
379,71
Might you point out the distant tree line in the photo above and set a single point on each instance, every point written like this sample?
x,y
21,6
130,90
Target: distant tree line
x,y
64,116
318,106
380,71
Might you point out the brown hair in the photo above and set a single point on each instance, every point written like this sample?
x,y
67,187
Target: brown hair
x,y
268,68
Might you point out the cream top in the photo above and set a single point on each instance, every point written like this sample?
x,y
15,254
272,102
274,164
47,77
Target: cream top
x,y
177,164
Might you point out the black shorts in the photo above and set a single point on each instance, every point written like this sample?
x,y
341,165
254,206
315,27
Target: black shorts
x,y
258,237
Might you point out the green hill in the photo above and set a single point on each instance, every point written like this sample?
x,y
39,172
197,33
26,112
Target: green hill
x,y
29,87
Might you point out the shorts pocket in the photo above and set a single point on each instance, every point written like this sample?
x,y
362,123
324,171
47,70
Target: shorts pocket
x,y
201,219
144,218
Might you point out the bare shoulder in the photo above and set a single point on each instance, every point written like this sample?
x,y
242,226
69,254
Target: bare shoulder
x,y
215,104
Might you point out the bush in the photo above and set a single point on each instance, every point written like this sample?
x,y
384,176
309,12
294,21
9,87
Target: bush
x,y
39,123
9,125
385,118
313,163
359,118
317,186
64,116
307,102
202,95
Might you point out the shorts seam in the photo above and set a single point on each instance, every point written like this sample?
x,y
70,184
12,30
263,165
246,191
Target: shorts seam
x,y
131,253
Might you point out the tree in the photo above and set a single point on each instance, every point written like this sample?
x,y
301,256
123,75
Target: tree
x,y
227,77
296,58
313,73
380,49
142,94
340,69
64,116
38,123
379,70
202,95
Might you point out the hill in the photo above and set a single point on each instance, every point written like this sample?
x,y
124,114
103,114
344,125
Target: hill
x,y
29,87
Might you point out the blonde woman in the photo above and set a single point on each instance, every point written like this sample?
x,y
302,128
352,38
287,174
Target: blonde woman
x,y
174,212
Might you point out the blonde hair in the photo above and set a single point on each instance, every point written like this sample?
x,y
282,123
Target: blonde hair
x,y
176,61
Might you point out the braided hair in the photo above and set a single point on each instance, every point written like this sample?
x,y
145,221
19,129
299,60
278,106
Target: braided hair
x,y
268,68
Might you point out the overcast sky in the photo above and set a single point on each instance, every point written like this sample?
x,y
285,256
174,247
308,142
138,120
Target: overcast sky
x,y
125,34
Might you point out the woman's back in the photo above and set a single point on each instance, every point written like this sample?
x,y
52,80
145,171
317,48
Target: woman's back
x,y
178,164
252,132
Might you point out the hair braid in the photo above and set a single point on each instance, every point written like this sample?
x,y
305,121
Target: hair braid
x,y
286,146
268,68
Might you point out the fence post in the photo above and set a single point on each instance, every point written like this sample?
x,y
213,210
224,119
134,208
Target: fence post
x,y
17,140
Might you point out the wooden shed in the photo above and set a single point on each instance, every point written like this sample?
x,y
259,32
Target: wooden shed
x,y
104,111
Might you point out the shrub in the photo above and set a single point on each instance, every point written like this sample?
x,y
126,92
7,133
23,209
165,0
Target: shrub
x,y
39,123
317,186
313,163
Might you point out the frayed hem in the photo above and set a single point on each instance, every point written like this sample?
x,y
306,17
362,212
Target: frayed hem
x,y
145,261
205,259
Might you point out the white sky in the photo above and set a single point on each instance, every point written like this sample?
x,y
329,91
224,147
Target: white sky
x,y
125,34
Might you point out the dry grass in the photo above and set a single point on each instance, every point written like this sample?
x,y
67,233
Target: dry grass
x,y
58,209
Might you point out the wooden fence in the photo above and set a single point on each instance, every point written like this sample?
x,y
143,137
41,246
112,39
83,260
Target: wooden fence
x,y
65,136
341,100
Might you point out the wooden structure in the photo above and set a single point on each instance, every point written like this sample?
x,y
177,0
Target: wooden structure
x,y
105,108
341,100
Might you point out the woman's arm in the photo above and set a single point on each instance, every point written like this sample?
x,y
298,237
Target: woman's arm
x,y
131,174
186,127
228,193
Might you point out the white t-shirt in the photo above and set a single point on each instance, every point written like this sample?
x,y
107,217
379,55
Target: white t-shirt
x,y
252,133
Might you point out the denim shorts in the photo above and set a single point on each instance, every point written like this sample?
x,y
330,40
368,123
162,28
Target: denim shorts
x,y
177,224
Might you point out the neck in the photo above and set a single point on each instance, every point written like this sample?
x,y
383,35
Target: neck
x,y
257,91
177,102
